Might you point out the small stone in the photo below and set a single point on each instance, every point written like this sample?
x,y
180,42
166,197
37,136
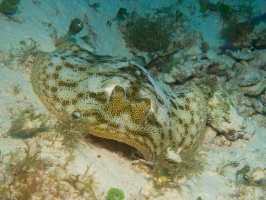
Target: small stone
x,y
182,72
258,106
255,90
223,117
259,61
209,135
192,53
205,46
263,98
222,59
248,112
247,76
259,119
240,55
257,175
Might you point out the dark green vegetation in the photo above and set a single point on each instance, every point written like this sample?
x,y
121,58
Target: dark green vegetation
x,y
149,33
206,5
235,31
227,12
221,7
9,7
154,31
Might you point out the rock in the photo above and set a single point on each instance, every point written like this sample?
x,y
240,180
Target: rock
x,y
222,141
209,135
224,118
205,46
258,106
259,119
248,112
257,175
192,53
182,72
255,90
242,103
241,55
221,64
247,76
263,98
167,78
222,59
260,60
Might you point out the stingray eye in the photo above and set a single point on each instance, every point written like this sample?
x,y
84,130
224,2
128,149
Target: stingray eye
x,y
76,115
118,90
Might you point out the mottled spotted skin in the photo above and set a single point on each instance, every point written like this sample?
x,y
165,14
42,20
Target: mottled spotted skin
x,y
119,100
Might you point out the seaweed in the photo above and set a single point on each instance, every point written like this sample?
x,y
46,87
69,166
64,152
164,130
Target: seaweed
x,y
83,183
249,178
25,175
221,168
27,50
149,33
16,88
205,6
27,124
21,54
238,28
223,8
72,131
167,172
209,85
75,26
170,11
22,173
140,195
237,32
243,171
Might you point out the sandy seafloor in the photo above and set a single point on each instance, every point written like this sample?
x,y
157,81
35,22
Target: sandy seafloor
x,y
113,170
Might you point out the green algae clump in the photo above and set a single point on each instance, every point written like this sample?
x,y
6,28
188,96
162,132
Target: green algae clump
x,y
115,194
237,31
149,33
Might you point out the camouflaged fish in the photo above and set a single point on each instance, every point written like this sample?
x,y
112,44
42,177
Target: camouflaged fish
x,y
119,100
